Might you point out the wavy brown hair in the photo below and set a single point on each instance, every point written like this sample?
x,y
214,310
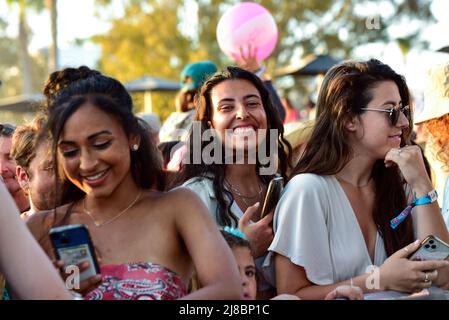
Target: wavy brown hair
x,y
439,130
346,89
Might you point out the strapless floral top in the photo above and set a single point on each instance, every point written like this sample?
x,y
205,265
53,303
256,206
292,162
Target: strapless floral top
x,y
138,281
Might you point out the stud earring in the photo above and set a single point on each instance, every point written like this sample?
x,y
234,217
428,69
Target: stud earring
x,y
135,147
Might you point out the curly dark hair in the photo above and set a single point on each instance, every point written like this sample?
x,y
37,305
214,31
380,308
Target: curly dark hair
x,y
60,79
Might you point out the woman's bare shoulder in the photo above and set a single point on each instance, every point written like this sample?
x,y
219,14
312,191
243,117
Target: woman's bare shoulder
x,y
41,222
178,199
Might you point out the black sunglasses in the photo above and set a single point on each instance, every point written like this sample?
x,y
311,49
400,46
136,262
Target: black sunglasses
x,y
7,129
393,113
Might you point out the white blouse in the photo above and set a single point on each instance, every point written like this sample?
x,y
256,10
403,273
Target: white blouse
x,y
316,228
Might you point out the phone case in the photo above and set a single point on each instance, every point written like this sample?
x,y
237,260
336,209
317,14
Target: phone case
x,y
273,195
73,245
431,248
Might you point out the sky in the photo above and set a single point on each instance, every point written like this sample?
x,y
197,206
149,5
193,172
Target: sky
x,y
77,20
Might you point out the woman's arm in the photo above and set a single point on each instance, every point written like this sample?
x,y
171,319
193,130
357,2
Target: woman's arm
x,y
397,273
292,279
27,269
213,259
428,217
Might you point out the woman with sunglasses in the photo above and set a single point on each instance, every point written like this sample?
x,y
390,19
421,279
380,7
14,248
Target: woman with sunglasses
x,y
341,219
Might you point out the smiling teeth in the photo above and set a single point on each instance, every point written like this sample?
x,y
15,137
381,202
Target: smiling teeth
x,y
243,130
95,177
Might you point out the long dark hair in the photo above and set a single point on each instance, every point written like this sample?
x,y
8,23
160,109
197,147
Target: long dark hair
x,y
345,90
110,96
204,114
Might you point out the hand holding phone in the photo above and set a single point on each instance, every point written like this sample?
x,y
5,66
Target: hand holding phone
x,y
273,195
431,248
72,245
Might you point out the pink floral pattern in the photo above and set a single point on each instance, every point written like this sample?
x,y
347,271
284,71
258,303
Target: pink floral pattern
x,y
138,281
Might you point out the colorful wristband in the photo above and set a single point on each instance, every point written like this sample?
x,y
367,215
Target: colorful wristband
x,y
432,196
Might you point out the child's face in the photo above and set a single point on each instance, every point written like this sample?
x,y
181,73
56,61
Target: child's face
x,y
247,269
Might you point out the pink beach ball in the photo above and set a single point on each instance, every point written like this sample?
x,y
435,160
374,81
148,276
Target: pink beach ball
x,y
247,23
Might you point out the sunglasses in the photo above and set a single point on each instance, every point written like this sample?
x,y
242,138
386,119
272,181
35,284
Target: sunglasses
x,y
393,113
7,129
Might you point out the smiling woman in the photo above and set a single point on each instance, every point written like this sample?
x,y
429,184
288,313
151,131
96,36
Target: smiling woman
x,y
144,237
234,108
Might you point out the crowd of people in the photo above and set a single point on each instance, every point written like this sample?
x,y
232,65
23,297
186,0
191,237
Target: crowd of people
x,y
174,211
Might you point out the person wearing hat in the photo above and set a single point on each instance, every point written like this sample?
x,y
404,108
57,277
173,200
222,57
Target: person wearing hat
x,y
177,125
434,118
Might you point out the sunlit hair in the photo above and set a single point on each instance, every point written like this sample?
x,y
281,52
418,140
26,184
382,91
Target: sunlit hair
x,y
26,139
439,131
204,112
110,96
346,89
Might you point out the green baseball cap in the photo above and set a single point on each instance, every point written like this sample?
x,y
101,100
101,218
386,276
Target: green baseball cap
x,y
198,72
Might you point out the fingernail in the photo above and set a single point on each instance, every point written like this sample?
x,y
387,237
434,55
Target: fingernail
x,y
417,241
257,204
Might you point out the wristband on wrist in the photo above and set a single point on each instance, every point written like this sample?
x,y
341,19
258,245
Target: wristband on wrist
x,y
431,197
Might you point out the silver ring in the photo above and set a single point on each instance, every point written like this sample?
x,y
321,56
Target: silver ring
x,y
426,278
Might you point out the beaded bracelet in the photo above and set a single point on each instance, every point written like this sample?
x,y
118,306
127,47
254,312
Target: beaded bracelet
x,y
432,196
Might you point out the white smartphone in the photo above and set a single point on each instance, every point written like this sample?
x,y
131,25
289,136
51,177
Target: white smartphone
x,y
431,248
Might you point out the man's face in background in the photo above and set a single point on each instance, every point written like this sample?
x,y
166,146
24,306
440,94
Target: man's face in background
x,y
8,166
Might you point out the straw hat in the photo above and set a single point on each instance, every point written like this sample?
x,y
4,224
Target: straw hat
x,y
298,133
436,94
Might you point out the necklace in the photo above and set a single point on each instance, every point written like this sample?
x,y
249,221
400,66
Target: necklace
x,y
100,224
241,195
356,186
237,191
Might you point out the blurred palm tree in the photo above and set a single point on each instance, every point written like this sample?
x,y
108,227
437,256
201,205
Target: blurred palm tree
x,y
53,60
24,35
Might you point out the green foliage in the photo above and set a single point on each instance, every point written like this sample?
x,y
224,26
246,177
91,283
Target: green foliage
x,y
148,39
9,67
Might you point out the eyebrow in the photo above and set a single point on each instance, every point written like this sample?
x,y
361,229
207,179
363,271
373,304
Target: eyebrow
x,y
91,137
248,96
392,102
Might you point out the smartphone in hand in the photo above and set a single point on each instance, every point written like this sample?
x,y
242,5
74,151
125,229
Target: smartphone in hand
x,y
273,195
431,248
72,244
